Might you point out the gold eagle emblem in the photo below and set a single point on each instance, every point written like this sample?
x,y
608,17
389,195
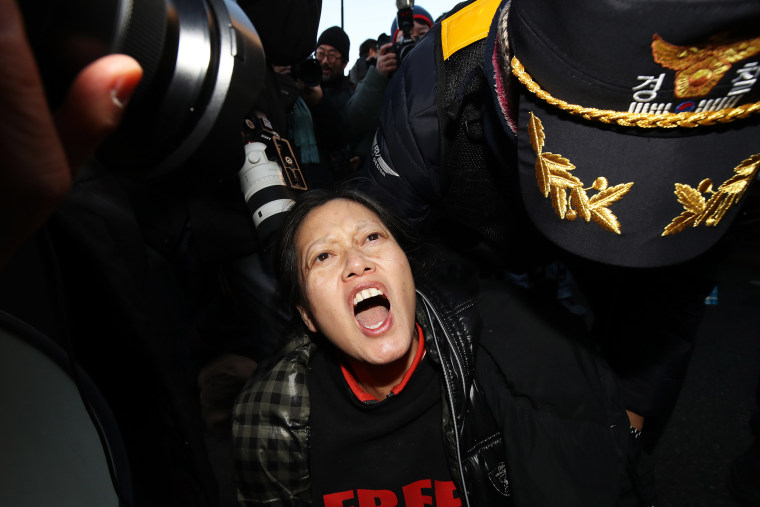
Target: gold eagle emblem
x,y
700,68
698,210
554,177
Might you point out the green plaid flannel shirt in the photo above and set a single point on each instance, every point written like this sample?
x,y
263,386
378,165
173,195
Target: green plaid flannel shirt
x,y
270,433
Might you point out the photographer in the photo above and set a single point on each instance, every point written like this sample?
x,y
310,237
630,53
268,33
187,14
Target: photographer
x,y
367,58
363,111
423,22
360,107
329,96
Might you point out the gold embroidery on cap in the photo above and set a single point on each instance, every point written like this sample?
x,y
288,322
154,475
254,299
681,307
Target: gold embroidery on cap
x,y
699,68
687,119
710,212
553,176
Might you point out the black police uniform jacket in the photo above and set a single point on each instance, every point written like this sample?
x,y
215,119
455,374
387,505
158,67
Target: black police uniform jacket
x,y
444,160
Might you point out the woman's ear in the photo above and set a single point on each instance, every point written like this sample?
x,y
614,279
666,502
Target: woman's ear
x,y
306,318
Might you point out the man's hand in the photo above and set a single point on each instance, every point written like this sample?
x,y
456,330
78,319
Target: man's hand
x,y
42,152
282,69
387,60
312,95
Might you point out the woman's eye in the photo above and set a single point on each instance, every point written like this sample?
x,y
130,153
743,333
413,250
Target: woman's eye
x,y
373,237
322,257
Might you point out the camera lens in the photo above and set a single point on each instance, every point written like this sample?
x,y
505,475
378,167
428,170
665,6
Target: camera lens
x,y
265,191
203,68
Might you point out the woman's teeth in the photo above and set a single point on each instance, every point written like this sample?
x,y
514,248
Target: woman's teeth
x,y
365,294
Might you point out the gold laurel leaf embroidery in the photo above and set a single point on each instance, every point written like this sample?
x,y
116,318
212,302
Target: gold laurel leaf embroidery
x,y
717,210
609,195
748,167
698,211
555,171
681,222
580,203
599,203
555,179
542,174
536,132
690,198
559,201
563,179
606,219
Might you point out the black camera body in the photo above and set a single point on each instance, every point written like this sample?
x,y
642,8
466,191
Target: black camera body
x,y
405,20
402,47
309,71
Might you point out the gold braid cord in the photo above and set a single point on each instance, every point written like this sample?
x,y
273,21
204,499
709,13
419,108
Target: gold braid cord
x,y
554,177
627,119
698,210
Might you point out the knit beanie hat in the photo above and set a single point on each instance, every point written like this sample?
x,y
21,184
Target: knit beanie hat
x,y
420,15
337,38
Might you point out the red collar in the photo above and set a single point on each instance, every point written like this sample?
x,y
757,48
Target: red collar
x,y
363,395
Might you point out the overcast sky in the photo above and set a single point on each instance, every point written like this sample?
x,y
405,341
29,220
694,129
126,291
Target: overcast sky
x,y
366,19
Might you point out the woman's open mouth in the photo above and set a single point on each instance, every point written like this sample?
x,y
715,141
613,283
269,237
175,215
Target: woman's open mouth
x,y
371,308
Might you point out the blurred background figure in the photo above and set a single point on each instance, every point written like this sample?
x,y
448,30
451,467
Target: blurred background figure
x,y
367,58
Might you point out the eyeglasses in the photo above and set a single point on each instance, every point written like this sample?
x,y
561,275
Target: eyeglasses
x,y
331,55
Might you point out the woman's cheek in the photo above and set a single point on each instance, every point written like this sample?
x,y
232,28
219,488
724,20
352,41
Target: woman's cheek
x,y
317,287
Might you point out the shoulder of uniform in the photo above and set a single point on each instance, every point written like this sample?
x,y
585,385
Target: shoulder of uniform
x,y
469,24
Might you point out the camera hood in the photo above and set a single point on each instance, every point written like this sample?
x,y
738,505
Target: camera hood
x,y
203,65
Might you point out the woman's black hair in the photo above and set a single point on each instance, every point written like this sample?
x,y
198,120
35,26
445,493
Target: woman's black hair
x,y
286,254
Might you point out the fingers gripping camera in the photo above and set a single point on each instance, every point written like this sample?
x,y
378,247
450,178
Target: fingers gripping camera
x,y
268,178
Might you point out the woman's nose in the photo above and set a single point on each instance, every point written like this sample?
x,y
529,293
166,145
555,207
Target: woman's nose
x,y
357,264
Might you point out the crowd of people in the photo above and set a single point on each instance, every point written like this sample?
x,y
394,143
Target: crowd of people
x,y
488,294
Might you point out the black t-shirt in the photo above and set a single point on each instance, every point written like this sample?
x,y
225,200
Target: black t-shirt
x,y
377,453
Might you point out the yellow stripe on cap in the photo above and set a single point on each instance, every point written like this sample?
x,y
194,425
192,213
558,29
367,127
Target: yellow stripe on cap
x,y
467,26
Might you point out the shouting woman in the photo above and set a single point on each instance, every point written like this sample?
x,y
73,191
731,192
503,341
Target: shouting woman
x,y
393,393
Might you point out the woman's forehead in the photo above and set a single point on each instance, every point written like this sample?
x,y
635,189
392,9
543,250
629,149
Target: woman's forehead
x,y
334,217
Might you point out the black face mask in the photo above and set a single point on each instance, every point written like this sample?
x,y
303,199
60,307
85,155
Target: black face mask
x,y
288,28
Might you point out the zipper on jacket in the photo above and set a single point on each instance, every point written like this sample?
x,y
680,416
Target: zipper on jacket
x,y
449,393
